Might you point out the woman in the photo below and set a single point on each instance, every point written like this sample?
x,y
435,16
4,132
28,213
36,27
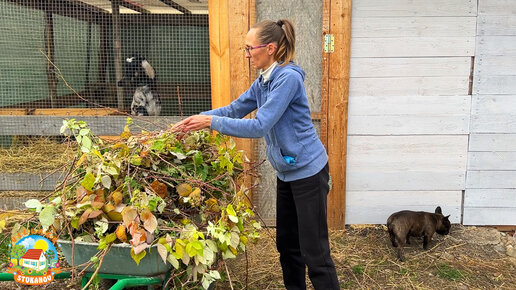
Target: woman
x,y
293,149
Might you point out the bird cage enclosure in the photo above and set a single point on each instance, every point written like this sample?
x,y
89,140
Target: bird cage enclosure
x,y
62,57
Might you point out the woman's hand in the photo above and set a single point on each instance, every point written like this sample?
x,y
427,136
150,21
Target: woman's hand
x,y
192,123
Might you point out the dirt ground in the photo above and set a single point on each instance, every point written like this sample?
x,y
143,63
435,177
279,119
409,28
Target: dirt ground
x,y
467,258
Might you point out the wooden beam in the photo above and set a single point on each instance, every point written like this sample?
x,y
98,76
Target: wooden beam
x,y
219,53
239,69
73,9
49,50
134,6
117,47
59,112
165,19
338,90
177,6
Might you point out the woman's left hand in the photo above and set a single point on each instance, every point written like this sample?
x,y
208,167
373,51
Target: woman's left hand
x,y
192,123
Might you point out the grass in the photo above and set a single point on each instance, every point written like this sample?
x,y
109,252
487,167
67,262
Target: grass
x,y
365,259
449,273
4,248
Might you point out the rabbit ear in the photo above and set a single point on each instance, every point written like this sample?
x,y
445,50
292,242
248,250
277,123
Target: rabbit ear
x,y
438,210
447,216
148,69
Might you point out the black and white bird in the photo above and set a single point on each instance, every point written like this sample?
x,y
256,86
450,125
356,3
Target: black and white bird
x,y
141,76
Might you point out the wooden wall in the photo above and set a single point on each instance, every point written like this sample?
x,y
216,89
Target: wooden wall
x,y
409,107
490,197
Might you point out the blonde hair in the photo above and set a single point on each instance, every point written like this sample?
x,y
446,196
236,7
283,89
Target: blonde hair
x,y
282,33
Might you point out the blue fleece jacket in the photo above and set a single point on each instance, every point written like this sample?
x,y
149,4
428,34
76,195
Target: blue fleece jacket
x,y
283,118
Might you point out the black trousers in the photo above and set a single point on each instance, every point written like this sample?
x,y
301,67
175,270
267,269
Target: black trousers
x,y
302,232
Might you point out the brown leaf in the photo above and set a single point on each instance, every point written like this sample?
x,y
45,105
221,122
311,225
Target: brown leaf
x,y
100,196
159,188
84,216
184,189
120,233
108,207
94,214
116,197
149,220
129,214
80,192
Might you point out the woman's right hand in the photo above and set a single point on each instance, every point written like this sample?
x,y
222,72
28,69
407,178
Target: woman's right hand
x,y
192,123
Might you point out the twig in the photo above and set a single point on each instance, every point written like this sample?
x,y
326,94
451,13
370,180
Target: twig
x,y
229,277
106,250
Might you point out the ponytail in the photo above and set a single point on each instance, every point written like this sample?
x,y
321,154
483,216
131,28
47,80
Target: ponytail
x,y
282,33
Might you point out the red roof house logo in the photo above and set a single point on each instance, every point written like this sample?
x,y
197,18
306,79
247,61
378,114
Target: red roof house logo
x,y
33,254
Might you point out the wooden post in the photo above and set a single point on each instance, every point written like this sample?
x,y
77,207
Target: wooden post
x,y
337,64
49,45
229,22
117,43
219,52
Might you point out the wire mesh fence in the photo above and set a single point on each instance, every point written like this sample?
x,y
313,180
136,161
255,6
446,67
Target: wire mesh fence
x,y
94,59
60,56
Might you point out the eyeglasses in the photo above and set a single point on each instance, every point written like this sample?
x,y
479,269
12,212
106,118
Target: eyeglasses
x,y
248,49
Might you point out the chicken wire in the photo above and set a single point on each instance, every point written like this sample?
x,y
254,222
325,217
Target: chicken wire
x,y
59,54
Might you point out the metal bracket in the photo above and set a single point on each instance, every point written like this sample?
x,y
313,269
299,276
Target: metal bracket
x,y
329,43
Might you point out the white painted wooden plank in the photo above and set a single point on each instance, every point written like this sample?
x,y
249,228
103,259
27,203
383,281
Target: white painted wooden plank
x,y
492,142
432,144
412,46
413,105
495,85
496,7
489,216
413,26
405,180
407,153
491,179
409,86
489,104
408,125
410,67
496,25
374,207
493,123
492,160
494,65
414,8
496,45
500,198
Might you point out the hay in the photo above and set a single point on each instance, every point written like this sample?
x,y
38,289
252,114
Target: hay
x,y
36,156
364,259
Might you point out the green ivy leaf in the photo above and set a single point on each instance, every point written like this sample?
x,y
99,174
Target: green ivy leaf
x,y
47,217
173,261
34,203
106,181
139,257
88,181
158,145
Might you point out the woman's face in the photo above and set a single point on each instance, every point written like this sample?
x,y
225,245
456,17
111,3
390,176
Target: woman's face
x,y
260,57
